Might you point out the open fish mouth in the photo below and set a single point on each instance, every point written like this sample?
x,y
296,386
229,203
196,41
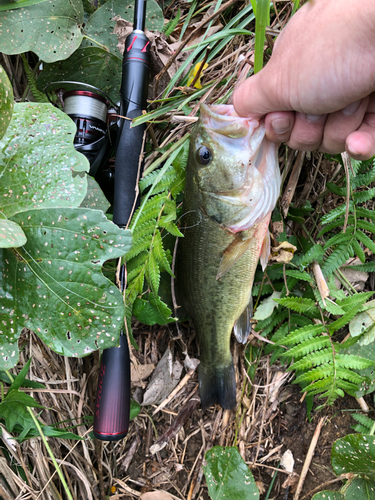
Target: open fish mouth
x,y
222,119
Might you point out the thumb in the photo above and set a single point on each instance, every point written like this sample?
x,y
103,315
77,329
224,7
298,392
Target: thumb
x,y
259,95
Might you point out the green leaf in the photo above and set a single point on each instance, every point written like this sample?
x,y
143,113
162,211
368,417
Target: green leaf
x,y
6,102
26,383
307,347
365,240
369,267
92,65
328,495
298,304
316,252
300,275
95,197
344,320
354,453
228,476
13,410
50,29
99,28
54,285
171,25
304,333
18,4
135,409
18,381
360,489
37,160
152,311
11,234
266,307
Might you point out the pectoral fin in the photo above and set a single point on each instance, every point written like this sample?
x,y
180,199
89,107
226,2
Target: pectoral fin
x,y
266,251
242,327
233,253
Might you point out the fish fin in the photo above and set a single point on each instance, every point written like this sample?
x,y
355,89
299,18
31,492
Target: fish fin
x,y
266,251
242,326
233,253
217,384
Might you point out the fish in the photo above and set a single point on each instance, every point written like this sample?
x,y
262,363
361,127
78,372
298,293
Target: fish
x,y
232,185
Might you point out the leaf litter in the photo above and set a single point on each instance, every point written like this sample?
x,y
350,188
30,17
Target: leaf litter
x,y
269,412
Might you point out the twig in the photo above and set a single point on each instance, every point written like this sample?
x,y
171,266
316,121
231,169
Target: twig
x,y
321,487
346,161
362,403
309,457
292,183
184,381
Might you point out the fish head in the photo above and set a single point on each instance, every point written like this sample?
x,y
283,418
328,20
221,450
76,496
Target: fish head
x,y
228,156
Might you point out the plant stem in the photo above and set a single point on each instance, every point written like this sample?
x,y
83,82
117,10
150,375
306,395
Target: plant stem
x,y
262,20
56,465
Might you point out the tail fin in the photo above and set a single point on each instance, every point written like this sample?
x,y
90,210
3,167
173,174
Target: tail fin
x,y
217,384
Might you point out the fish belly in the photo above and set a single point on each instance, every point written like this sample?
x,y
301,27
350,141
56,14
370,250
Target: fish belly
x,y
214,304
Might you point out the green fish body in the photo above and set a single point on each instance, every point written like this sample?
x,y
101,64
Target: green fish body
x,y
232,185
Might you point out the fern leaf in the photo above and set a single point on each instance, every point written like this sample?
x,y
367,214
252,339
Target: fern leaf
x,y
151,210
144,230
280,333
338,223
365,212
160,253
150,178
349,387
364,420
359,251
336,212
340,255
351,376
344,320
325,384
304,333
314,253
368,226
299,320
37,94
268,324
313,359
363,196
153,273
365,240
369,267
171,25
298,304
335,189
357,299
353,362
299,275
307,347
135,286
316,374
143,244
360,428
340,238
170,227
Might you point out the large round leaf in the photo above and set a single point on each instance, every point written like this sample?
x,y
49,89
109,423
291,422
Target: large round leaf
x,y
37,160
360,489
99,28
54,284
6,102
354,453
11,234
328,495
50,29
228,476
91,65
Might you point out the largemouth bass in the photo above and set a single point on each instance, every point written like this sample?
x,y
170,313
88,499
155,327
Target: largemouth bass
x,y
232,185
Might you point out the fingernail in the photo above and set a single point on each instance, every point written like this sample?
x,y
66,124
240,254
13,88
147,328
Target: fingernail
x,y
281,125
313,118
350,109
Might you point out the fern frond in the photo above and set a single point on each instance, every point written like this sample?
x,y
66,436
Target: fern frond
x,y
358,250
142,245
314,253
349,387
365,212
160,253
299,320
153,273
144,230
313,359
37,94
268,324
344,320
353,362
364,224
151,210
325,384
299,275
299,304
338,223
363,196
301,334
307,347
170,227
353,300
335,189
336,212
345,374
365,421
363,238
316,374
280,333
369,267
171,25
340,238
340,255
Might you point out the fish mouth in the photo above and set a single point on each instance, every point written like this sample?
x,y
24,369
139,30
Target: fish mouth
x,y
222,119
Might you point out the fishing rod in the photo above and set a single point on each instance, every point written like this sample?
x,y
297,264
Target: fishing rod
x,y
112,406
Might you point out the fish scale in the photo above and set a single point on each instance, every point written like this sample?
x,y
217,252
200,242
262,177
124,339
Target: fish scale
x,y
213,303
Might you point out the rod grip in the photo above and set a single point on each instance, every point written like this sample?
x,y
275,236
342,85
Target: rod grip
x,y
112,406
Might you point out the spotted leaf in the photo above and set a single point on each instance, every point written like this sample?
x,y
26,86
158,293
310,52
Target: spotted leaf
x,y
6,102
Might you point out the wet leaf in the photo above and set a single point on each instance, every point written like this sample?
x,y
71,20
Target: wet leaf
x,y
50,29
11,234
354,453
38,160
328,495
91,65
54,284
228,476
6,102
95,197
360,489
99,28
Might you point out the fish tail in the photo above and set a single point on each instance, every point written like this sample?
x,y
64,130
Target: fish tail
x,y
217,384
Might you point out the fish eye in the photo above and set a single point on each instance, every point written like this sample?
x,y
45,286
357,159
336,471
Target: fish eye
x,y
204,155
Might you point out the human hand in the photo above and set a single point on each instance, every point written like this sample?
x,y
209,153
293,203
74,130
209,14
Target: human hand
x,y
318,89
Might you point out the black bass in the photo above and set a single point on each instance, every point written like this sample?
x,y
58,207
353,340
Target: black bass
x,y
232,185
